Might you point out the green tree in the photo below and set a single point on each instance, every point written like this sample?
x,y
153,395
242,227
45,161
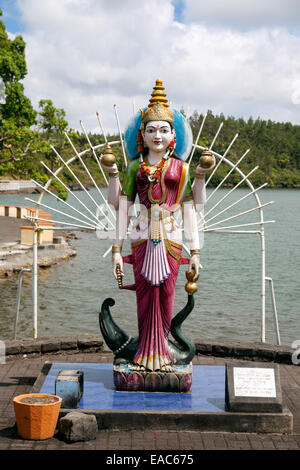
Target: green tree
x,y
17,115
51,120
13,69
18,107
52,124
21,143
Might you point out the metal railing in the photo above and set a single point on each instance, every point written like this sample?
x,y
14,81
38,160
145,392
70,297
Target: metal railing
x,y
19,298
274,308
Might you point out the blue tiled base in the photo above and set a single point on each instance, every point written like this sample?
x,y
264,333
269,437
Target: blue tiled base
x,y
207,393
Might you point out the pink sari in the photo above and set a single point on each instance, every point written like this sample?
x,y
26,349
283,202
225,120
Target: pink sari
x,y
155,302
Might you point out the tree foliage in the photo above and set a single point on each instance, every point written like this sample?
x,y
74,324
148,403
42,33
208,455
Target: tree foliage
x,y
21,144
274,147
17,106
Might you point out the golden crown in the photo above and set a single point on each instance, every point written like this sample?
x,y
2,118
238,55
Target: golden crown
x,y
158,108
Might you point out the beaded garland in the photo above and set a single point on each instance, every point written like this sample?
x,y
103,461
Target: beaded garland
x,y
145,170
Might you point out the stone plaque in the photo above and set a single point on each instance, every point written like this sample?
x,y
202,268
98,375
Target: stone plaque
x,y
254,382
253,387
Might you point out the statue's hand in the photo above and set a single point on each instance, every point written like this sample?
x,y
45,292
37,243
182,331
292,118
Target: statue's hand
x,y
194,265
202,171
117,261
111,168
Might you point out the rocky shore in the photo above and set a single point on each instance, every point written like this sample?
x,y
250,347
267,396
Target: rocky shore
x,y
14,256
18,187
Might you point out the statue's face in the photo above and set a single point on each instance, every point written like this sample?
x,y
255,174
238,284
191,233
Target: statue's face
x,y
157,135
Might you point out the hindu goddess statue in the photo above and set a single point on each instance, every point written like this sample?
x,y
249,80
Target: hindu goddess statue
x,y
158,142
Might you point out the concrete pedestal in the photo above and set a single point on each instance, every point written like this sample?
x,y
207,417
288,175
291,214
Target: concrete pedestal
x,y
203,409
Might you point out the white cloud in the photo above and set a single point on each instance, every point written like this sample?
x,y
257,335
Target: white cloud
x,y
243,14
87,55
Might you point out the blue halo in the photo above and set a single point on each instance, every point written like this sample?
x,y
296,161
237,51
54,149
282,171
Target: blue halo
x,y
184,136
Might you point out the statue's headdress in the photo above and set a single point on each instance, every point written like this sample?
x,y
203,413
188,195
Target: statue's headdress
x,y
158,108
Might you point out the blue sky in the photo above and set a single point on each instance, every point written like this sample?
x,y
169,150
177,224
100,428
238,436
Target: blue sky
x,y
238,58
178,9
11,16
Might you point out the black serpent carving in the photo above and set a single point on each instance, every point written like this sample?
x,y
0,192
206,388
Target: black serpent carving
x,y
124,347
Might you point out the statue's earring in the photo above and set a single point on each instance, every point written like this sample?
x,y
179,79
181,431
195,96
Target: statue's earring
x,y
140,142
172,145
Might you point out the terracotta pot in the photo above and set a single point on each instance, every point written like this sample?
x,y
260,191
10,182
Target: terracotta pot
x,y
36,415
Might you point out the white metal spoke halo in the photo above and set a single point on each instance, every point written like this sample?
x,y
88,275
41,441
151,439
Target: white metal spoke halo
x,y
100,216
208,221
75,213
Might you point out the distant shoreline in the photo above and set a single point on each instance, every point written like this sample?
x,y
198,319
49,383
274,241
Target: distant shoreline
x,y
78,188
33,189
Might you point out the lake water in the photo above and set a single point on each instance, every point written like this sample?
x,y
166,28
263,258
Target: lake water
x,y
228,301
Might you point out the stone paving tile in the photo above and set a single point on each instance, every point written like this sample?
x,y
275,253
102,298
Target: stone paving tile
x,y
240,436
268,443
255,443
285,442
220,443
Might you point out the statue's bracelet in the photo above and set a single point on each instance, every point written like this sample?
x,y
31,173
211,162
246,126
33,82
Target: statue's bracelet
x,y
116,249
113,175
195,252
200,176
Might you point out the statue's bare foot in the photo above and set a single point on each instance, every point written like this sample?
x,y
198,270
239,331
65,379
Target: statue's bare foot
x,y
137,367
141,368
167,368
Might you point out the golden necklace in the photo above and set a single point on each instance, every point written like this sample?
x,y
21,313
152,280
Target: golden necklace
x,y
152,171
164,168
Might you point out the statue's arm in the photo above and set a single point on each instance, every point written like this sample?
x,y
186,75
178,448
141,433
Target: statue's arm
x,y
193,202
114,191
199,188
125,200
122,222
192,235
199,192
195,191
114,185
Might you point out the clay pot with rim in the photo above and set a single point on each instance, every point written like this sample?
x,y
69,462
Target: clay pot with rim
x,y
36,415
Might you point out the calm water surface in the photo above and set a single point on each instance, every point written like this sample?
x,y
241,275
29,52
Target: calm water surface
x,y
228,301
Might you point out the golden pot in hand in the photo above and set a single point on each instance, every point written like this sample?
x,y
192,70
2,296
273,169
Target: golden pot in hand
x,y
191,286
108,158
207,160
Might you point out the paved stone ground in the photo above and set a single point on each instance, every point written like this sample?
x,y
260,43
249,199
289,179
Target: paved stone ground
x,y
18,375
